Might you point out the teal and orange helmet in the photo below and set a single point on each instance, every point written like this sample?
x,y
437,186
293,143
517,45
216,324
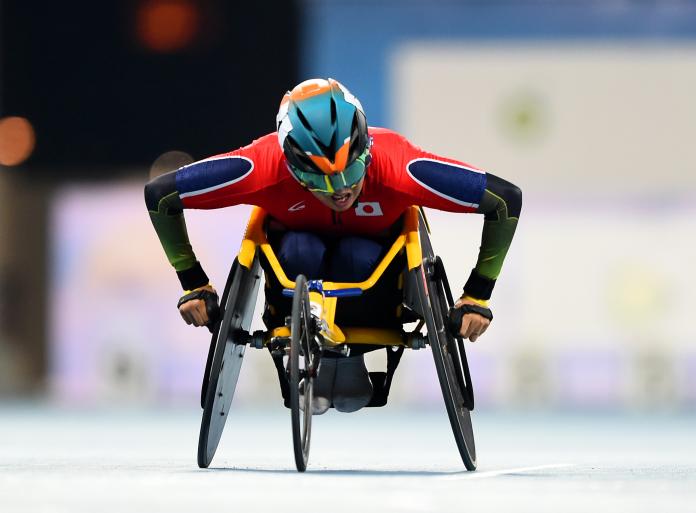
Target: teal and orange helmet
x,y
322,130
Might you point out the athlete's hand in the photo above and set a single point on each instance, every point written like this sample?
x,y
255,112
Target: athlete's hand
x,y
200,306
473,325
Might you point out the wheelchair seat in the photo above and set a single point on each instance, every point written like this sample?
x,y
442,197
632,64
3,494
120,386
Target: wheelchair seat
x,y
377,307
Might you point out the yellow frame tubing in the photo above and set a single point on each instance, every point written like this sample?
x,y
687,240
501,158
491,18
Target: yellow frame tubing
x,y
408,239
255,236
354,335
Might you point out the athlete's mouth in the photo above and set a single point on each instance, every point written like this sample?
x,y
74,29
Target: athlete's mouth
x,y
341,198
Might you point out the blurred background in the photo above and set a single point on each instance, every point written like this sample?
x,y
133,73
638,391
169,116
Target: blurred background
x,y
588,106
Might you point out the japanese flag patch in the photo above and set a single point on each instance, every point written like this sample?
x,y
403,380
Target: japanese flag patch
x,y
368,209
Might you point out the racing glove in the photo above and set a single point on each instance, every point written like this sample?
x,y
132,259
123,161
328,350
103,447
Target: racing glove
x,y
210,298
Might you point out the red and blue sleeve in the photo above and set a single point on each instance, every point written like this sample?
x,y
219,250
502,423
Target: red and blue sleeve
x,y
221,181
437,182
446,184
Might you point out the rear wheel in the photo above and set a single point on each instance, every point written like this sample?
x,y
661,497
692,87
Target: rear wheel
x,y
448,351
302,367
452,371
226,362
214,338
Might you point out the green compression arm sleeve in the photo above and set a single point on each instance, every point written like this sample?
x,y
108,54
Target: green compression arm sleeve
x,y
501,204
166,213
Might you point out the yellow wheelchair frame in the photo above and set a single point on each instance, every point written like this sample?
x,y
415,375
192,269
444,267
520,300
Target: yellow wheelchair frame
x,y
324,300
312,329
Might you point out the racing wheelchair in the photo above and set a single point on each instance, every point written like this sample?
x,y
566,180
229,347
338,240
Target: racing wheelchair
x,y
298,344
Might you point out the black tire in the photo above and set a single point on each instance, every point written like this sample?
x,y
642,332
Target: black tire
x,y
302,368
455,388
216,330
227,359
448,351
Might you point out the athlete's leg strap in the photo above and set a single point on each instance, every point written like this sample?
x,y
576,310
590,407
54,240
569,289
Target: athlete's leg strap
x,y
381,381
282,378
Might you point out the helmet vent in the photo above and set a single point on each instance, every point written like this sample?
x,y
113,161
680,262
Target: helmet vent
x,y
333,112
304,121
356,148
327,151
298,158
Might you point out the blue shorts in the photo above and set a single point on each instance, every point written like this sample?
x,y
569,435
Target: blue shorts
x,y
348,259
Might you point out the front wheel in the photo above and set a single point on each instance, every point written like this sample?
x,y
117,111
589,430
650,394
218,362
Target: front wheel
x,y
302,367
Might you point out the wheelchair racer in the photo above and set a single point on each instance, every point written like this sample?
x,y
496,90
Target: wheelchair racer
x,y
335,186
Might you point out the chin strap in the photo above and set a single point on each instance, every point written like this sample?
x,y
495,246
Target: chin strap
x,y
457,314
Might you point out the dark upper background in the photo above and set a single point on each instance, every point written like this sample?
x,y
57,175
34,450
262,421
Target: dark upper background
x,y
97,91
116,83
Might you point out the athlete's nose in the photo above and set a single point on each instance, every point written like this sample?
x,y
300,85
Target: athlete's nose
x,y
342,192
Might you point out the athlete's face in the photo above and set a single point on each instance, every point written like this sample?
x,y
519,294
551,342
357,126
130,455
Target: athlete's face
x,y
341,200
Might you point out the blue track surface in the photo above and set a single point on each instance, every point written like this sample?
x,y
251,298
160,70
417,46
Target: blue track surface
x,y
376,460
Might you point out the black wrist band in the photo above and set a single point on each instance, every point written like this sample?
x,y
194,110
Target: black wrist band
x,y
193,277
478,286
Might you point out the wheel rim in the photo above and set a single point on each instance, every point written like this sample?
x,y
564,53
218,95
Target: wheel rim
x,y
433,281
307,376
302,372
227,358
452,379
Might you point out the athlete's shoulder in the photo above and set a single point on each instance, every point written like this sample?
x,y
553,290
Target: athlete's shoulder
x,y
391,152
384,137
393,144
266,155
425,178
266,142
260,151
392,149
238,176
265,146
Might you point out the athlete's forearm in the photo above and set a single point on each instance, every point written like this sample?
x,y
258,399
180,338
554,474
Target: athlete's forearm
x,y
501,205
166,212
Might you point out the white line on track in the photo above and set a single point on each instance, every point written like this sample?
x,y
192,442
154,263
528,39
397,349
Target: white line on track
x,y
494,473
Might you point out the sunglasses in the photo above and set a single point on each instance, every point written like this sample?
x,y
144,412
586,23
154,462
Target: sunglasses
x,y
328,184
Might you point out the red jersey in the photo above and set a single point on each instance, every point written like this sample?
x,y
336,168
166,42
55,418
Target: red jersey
x,y
399,175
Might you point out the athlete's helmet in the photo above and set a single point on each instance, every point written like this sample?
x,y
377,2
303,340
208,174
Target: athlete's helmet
x,y
323,132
